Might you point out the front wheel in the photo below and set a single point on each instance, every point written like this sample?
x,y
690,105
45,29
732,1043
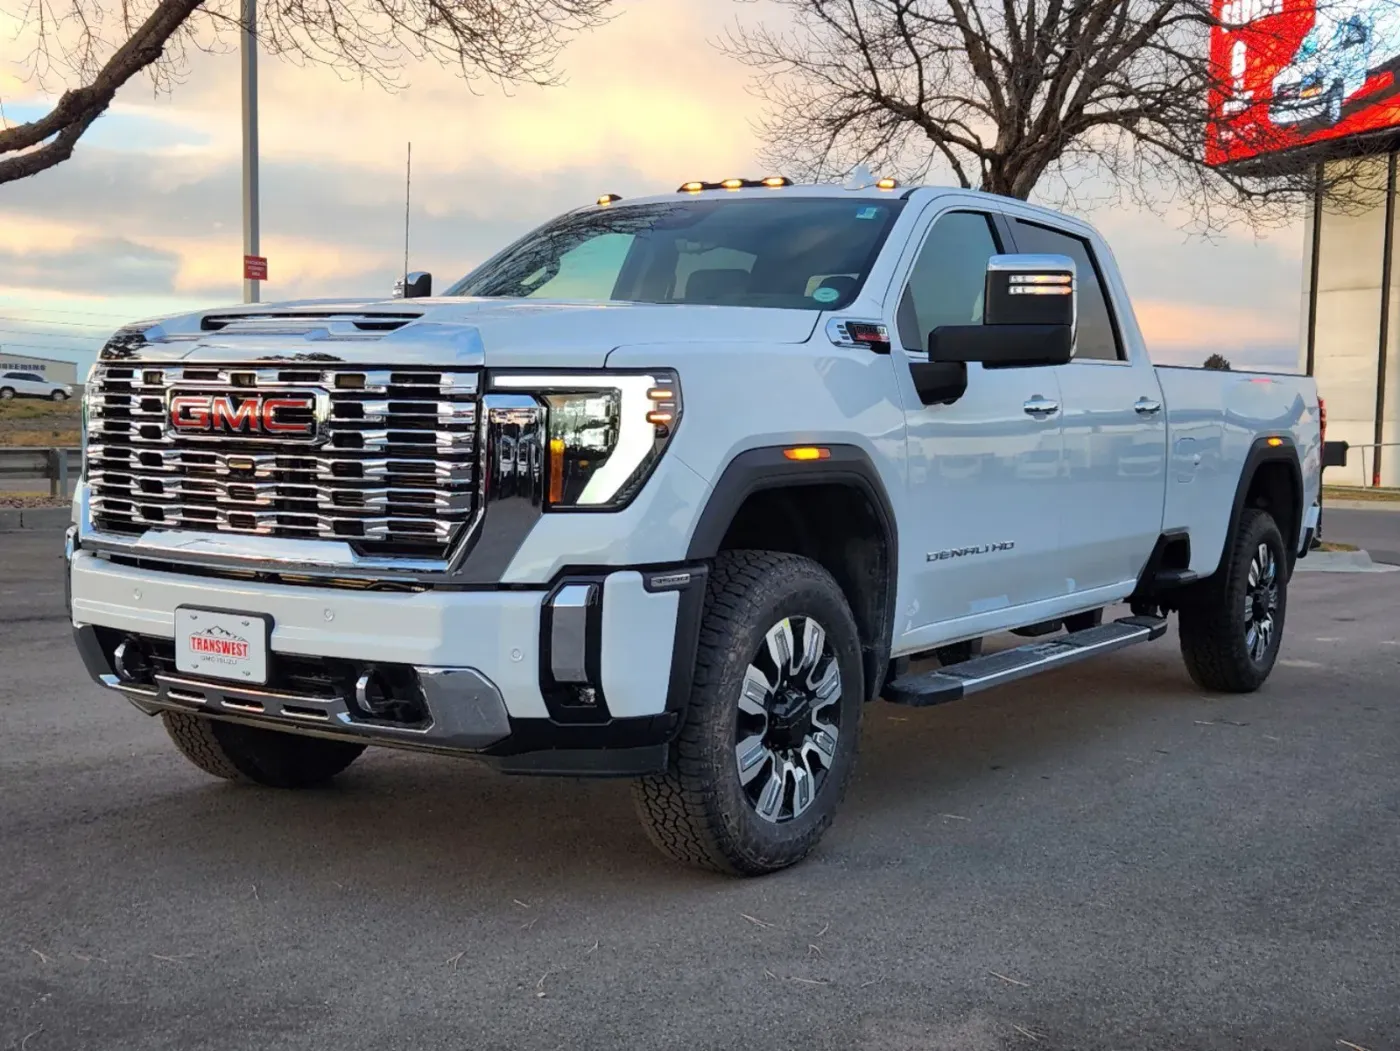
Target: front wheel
x,y
770,734
249,753
1232,624
58,395
6,393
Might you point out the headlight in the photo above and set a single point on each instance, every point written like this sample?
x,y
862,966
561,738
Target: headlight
x,y
605,431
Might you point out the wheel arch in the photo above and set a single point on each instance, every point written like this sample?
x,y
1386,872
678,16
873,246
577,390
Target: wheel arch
x,y
834,510
1272,478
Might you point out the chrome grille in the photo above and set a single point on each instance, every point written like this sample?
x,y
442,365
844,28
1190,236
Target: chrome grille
x,y
395,473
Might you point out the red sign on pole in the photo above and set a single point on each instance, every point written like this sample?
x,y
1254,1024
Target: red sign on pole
x,y
254,268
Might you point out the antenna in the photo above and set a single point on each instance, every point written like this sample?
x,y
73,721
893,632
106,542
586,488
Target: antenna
x,y
407,198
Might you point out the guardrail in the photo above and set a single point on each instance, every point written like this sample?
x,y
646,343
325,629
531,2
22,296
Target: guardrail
x,y
58,466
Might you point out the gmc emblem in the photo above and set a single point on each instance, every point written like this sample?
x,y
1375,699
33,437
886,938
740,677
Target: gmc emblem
x,y
293,416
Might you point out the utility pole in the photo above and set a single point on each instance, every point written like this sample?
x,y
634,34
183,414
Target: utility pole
x,y
249,64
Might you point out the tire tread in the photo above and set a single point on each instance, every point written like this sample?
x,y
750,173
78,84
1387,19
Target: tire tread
x,y
1211,644
251,754
680,808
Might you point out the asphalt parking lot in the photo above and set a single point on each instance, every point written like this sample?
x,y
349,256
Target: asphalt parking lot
x,y
1102,858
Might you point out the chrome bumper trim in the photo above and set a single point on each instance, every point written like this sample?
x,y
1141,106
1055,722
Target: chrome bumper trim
x,y
466,711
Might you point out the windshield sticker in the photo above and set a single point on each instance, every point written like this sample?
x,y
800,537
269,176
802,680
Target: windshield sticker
x,y
826,295
867,213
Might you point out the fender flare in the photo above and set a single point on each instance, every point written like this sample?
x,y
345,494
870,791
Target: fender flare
x,y
765,468
1260,453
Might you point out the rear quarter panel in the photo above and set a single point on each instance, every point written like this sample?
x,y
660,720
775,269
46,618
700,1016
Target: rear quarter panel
x,y
1213,420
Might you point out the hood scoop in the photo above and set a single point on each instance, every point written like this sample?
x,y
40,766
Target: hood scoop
x,y
308,325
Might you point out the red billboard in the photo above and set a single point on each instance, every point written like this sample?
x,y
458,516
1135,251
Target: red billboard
x,y
1291,73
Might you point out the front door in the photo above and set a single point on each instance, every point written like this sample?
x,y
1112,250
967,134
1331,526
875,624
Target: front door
x,y
984,471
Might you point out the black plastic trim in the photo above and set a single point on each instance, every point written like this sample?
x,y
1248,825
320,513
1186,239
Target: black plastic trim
x,y
1153,580
756,470
689,615
1260,453
617,748
90,650
555,693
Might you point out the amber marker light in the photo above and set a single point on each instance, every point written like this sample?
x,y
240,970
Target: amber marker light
x,y
807,452
556,470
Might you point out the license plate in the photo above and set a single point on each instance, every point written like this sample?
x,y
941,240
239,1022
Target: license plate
x,y
222,645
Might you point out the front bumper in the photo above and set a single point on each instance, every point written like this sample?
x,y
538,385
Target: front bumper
x,y
586,677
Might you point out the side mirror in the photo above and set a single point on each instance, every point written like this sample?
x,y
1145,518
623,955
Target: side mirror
x,y
1029,315
418,285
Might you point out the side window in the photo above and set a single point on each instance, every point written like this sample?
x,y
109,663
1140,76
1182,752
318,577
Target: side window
x,y
949,277
1097,336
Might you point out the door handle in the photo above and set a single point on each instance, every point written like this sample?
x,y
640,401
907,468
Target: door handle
x,y
1147,407
1040,407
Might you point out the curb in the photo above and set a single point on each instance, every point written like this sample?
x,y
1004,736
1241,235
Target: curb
x,y
1391,506
13,519
1341,562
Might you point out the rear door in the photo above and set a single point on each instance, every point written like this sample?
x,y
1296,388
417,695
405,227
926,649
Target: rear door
x,y
1115,436
984,471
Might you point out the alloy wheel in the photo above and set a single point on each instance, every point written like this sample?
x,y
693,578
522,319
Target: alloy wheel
x,y
1260,602
788,719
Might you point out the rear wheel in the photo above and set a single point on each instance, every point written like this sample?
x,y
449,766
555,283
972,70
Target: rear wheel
x,y
770,733
264,757
58,395
1232,624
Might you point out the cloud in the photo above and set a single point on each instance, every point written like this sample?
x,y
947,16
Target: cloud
x,y
148,212
114,264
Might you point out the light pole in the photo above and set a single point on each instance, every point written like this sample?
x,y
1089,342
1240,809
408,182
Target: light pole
x,y
249,63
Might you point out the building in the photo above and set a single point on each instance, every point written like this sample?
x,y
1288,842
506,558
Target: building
x,y
1306,86
49,368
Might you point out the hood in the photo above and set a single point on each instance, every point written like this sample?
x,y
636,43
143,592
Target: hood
x,y
500,333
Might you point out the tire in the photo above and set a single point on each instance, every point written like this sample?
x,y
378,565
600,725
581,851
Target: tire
x,y
1084,621
58,395
702,811
263,757
6,393
1221,651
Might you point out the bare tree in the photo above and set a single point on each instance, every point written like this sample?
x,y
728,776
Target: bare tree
x,y
94,47
1081,101
1217,361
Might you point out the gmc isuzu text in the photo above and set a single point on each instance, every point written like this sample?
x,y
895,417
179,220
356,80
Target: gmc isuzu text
x,y
669,489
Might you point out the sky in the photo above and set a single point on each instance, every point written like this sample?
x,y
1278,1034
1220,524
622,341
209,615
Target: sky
x,y
146,217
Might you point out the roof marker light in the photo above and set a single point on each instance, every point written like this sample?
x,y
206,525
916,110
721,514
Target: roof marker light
x,y
733,184
775,181
887,184
608,198
692,187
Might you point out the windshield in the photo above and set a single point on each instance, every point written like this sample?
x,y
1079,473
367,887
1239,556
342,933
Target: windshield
x,y
802,253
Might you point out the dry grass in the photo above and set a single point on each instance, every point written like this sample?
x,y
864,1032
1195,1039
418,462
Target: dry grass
x,y
36,499
34,424
1356,492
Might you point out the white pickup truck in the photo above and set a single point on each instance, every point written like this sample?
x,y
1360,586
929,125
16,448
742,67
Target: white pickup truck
x,y
670,489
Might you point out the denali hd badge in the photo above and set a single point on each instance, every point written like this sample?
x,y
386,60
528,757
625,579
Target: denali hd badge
x,y
980,549
284,415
